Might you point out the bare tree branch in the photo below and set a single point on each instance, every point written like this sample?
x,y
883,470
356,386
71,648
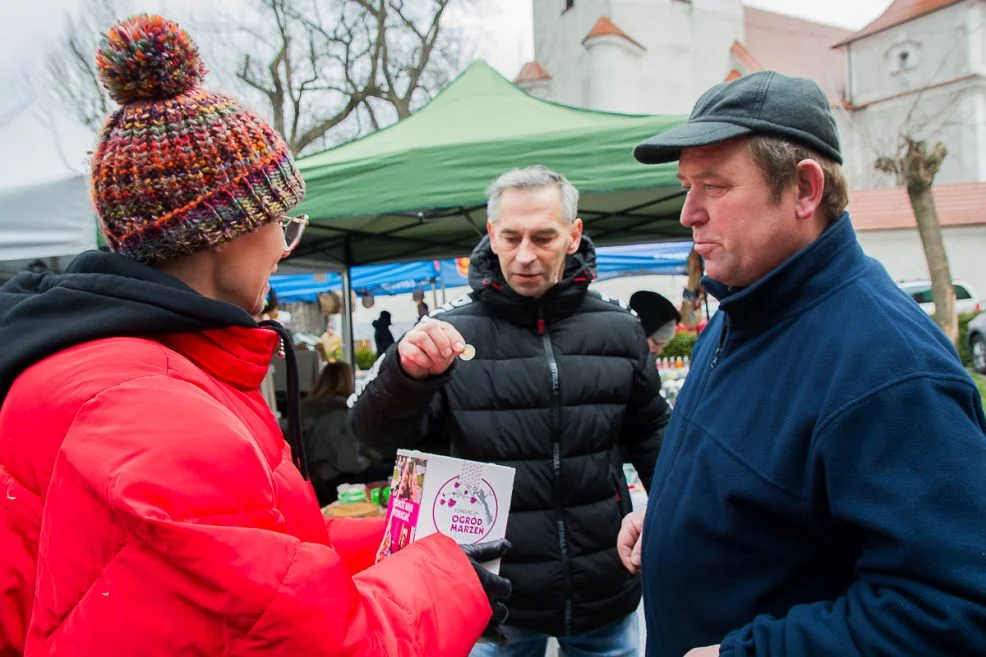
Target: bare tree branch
x,y
244,74
373,116
313,67
71,76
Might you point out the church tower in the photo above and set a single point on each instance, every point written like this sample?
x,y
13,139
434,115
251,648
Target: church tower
x,y
634,56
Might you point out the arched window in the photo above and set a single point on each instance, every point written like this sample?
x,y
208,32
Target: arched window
x,y
903,56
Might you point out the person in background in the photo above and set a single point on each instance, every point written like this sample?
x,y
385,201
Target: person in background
x,y
329,345
150,504
267,389
659,317
381,332
334,455
693,297
271,310
822,489
561,385
423,309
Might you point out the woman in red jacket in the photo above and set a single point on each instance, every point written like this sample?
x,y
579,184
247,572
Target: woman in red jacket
x,y
148,503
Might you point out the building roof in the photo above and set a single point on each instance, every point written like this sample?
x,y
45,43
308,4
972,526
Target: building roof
x,y
744,57
796,47
532,72
889,208
900,11
606,27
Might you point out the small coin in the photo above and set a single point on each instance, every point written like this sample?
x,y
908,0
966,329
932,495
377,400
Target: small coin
x,y
468,353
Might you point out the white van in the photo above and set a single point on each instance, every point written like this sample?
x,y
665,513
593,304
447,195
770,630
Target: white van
x,y
966,300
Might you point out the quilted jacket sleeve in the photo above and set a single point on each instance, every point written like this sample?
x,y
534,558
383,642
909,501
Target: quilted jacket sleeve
x,y
394,411
355,540
647,415
163,535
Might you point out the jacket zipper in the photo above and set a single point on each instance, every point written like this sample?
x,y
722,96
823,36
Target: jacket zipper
x,y
549,353
722,341
655,496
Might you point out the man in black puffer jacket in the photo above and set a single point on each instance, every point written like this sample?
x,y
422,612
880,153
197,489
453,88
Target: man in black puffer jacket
x,y
562,388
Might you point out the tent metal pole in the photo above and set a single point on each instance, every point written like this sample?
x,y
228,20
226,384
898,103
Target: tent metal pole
x,y
434,295
444,298
348,352
348,348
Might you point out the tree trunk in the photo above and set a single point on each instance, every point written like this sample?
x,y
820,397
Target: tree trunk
x,y
920,168
942,292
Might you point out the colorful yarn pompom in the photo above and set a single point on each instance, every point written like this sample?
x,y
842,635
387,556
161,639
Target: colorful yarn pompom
x,y
178,168
148,58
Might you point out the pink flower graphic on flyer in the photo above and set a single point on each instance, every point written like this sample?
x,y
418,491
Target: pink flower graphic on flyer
x,y
466,506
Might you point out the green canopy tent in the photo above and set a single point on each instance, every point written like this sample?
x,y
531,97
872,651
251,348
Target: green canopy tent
x,y
416,190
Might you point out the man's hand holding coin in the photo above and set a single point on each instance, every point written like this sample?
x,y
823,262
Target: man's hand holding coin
x,y
429,348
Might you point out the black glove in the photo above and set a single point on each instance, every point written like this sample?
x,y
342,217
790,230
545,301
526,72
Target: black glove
x,y
497,588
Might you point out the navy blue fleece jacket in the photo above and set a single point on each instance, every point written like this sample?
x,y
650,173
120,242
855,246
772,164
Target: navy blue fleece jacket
x,y
822,485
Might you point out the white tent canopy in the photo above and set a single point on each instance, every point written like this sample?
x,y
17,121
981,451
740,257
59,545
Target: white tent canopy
x,y
46,220
45,211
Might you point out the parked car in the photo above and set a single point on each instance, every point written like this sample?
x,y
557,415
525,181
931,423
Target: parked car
x,y
977,342
966,300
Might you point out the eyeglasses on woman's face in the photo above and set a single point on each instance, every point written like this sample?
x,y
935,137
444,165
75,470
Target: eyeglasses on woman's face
x,y
294,228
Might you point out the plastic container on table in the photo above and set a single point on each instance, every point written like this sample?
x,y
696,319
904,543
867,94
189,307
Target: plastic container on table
x,y
352,493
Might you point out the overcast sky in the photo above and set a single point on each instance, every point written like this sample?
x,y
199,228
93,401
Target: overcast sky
x,y
502,35
27,27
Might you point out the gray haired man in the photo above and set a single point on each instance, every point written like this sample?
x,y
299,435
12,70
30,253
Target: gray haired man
x,y
561,387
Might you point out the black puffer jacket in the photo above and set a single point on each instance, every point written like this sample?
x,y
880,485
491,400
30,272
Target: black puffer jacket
x,y
560,388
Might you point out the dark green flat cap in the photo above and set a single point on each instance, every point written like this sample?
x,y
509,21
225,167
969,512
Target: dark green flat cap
x,y
765,102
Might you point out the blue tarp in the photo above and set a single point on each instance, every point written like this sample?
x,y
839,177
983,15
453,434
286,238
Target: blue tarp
x,y
401,278
665,258
377,280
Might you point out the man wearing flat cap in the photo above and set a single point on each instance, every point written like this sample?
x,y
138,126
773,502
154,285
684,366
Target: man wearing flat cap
x,y
822,486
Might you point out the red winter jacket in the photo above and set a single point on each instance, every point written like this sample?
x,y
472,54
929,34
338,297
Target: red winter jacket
x,y
151,508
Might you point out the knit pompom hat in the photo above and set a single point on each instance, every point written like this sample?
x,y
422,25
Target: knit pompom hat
x,y
179,169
